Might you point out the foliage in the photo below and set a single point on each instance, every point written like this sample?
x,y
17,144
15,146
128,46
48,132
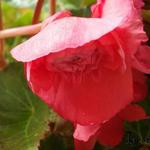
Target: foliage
x,y
22,124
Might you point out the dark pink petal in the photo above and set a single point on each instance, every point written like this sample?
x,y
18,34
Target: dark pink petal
x,y
141,60
139,86
97,9
72,32
41,78
111,133
133,113
83,133
104,93
114,53
138,4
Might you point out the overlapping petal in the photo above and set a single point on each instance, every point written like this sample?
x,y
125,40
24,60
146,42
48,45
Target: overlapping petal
x,y
110,133
115,126
64,95
133,113
50,41
138,4
97,9
57,36
141,59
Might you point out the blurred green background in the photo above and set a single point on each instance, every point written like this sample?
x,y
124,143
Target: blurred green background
x,y
26,123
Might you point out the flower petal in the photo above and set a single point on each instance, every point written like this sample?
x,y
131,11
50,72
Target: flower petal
x,y
131,32
83,133
59,92
141,60
111,133
138,4
72,32
111,9
133,113
97,9
39,78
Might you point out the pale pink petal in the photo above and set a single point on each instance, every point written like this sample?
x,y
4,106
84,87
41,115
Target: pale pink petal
x,y
69,32
83,133
72,32
133,113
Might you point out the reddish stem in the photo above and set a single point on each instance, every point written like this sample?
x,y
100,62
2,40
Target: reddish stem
x,y
52,7
2,59
26,30
37,11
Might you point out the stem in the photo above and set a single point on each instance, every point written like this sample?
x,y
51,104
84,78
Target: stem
x,y
37,11
2,59
26,30
52,7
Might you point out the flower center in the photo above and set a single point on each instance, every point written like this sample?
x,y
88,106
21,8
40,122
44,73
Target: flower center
x,y
77,62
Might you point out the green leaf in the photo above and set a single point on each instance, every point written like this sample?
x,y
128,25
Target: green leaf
x,y
23,117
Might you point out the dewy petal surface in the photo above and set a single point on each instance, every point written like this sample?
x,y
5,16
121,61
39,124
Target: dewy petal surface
x,y
72,32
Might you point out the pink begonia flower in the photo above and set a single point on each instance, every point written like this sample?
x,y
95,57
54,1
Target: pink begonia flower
x,y
83,67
